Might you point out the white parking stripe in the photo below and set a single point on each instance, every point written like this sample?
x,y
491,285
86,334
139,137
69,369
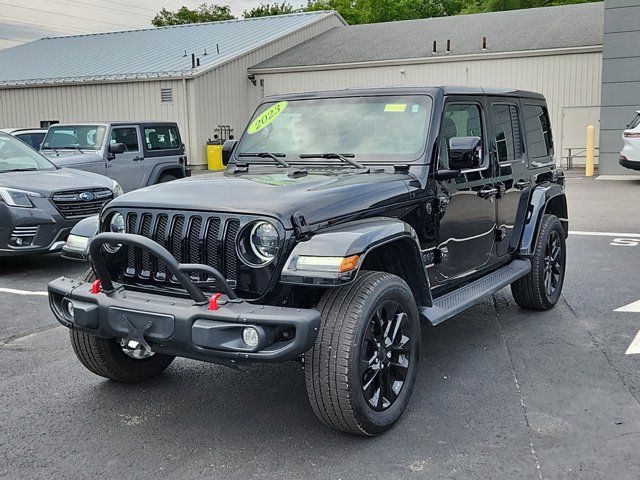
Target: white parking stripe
x,y
605,234
22,292
632,307
634,348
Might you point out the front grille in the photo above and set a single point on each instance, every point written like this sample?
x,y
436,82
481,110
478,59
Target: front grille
x,y
74,204
190,237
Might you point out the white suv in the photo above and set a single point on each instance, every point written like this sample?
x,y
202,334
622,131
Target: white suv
x,y
630,154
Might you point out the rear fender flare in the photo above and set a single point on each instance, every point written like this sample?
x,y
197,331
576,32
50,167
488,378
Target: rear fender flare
x,y
547,198
365,238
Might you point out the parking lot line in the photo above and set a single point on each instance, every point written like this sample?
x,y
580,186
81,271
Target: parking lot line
x,y
22,292
605,234
632,307
634,348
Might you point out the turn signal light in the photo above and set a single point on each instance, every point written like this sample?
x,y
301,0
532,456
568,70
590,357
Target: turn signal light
x,y
327,264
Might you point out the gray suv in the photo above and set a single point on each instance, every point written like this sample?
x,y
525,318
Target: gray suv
x,y
134,154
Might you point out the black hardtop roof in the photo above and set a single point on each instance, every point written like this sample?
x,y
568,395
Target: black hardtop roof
x,y
416,90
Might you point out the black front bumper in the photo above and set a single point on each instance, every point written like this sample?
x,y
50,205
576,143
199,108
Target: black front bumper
x,y
185,327
629,164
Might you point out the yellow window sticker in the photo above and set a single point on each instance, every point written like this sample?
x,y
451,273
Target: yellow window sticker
x,y
266,117
395,107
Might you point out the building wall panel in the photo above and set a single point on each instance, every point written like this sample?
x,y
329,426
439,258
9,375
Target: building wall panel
x,y
568,80
621,79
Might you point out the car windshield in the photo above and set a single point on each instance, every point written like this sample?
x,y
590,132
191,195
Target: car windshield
x,y
377,128
16,156
83,137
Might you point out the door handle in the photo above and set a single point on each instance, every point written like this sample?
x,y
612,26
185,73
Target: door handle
x,y
138,159
522,184
488,192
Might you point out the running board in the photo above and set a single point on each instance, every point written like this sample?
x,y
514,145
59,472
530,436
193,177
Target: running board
x,y
452,303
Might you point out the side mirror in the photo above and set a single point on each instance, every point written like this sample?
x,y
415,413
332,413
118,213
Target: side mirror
x,y
465,153
227,149
117,148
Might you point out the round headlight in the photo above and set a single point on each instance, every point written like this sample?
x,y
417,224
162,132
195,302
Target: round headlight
x,y
258,243
116,225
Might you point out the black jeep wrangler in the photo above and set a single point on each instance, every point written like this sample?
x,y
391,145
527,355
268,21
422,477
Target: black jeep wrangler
x,y
344,220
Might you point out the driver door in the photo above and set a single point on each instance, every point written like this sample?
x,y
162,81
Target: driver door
x,y
467,228
126,168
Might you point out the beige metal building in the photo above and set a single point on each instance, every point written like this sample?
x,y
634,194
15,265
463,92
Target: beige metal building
x,y
195,75
555,50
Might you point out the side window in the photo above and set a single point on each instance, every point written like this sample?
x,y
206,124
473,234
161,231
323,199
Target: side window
x,y
538,131
161,137
126,135
506,128
459,120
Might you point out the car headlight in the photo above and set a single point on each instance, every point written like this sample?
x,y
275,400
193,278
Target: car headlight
x,y
258,243
116,225
116,189
18,198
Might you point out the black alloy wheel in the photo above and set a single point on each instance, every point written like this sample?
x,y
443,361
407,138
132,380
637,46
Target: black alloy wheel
x,y
385,355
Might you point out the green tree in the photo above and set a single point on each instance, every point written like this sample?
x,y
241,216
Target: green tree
x,y
266,10
201,14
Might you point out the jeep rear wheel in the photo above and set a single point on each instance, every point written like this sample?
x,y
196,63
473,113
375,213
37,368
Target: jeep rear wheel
x,y
107,358
362,368
540,289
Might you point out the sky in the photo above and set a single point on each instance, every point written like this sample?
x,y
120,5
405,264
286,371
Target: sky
x,y
22,21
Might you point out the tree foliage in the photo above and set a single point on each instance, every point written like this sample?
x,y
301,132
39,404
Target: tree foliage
x,y
357,11
201,14
267,9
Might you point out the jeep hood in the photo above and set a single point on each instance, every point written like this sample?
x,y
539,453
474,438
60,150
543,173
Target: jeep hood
x,y
68,158
47,182
320,197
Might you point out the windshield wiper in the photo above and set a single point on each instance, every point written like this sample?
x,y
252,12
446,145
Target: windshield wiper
x,y
345,157
79,150
276,157
51,148
30,169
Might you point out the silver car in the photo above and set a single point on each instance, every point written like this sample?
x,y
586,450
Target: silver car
x,y
133,154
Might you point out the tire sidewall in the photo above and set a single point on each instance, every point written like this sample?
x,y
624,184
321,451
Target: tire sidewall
x,y
551,223
372,421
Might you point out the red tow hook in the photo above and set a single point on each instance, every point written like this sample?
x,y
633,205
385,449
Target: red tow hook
x,y
213,301
96,287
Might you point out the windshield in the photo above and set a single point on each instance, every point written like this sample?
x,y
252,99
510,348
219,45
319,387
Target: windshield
x,y
83,137
389,128
15,155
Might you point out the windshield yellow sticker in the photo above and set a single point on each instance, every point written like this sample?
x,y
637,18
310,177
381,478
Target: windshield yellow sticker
x,y
266,117
395,107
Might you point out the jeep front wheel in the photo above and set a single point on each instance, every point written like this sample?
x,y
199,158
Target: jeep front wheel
x,y
107,358
362,369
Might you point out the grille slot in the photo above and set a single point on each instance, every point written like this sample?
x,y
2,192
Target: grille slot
x,y
189,237
71,205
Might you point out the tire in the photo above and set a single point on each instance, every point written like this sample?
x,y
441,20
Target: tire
x,y
167,177
336,385
537,290
106,358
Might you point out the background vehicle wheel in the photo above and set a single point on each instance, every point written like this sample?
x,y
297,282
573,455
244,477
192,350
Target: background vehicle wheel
x,y
105,357
166,177
541,288
361,371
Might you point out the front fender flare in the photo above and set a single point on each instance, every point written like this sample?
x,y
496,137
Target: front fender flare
x,y
360,237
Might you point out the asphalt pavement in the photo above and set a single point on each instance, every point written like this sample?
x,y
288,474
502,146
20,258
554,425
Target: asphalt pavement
x,y
502,393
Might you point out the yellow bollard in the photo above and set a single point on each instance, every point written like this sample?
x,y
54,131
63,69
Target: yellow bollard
x,y
591,151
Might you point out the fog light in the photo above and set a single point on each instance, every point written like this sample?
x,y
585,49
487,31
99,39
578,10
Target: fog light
x,y
250,336
69,307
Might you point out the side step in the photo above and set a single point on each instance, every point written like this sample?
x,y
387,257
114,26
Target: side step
x,y
452,303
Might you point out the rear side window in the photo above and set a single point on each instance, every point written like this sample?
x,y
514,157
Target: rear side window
x,y
161,137
538,131
507,133
635,122
26,138
126,135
